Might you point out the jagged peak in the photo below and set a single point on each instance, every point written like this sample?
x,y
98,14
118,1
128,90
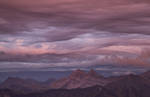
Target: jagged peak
x,y
93,73
78,73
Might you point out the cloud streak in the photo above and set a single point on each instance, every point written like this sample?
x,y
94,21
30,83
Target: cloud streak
x,y
75,32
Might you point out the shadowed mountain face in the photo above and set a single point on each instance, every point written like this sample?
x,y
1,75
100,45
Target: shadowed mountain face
x,y
146,75
127,86
80,79
7,93
25,85
86,92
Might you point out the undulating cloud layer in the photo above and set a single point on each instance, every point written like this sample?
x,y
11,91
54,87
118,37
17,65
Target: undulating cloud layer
x,y
74,33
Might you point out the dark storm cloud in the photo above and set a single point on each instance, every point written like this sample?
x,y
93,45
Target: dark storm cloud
x,y
124,18
74,32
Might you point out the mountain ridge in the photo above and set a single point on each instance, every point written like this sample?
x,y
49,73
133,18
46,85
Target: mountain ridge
x,y
122,86
80,79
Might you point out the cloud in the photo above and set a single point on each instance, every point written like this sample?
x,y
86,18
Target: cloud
x,y
75,32
114,18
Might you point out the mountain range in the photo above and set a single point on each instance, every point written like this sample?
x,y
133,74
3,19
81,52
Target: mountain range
x,y
80,79
25,85
79,84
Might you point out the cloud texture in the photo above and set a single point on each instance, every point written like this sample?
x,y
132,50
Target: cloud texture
x,y
76,33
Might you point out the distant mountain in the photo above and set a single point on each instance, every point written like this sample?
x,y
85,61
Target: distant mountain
x,y
23,85
7,93
123,86
127,86
49,81
80,79
86,92
146,75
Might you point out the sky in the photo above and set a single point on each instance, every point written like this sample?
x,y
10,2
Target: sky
x,y
47,34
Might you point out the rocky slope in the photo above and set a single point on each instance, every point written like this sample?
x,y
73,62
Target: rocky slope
x,y
146,75
127,86
23,85
124,86
80,79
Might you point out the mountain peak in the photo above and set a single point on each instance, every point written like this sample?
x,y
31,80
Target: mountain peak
x,y
80,79
78,73
93,73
